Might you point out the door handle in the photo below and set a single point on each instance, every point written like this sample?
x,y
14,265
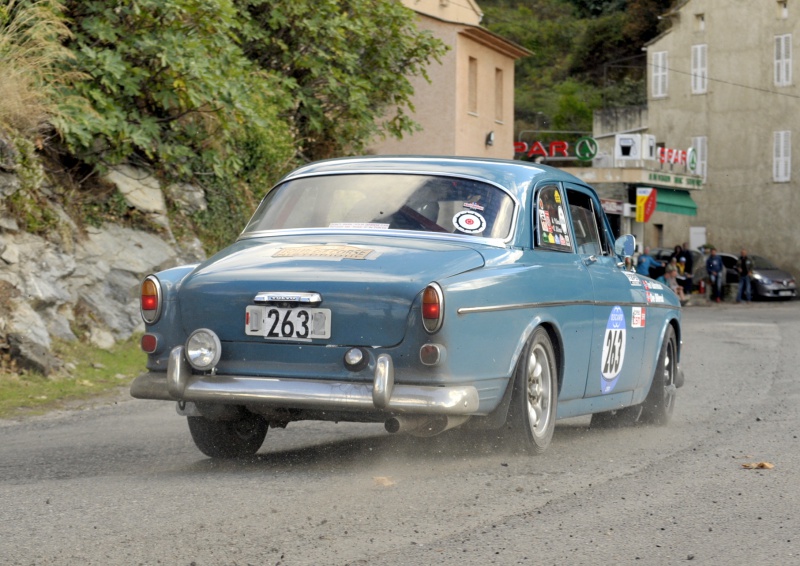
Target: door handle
x,y
591,259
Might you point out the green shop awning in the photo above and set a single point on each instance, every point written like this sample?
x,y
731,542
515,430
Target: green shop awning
x,y
676,202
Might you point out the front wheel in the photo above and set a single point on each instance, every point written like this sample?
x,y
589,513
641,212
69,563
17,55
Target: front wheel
x,y
660,402
532,413
228,439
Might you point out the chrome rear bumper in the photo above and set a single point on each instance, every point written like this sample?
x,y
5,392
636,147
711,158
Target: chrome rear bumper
x,y
179,384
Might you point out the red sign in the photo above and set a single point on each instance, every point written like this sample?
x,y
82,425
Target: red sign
x,y
554,148
676,156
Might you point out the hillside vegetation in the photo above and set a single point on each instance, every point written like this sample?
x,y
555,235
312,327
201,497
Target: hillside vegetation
x,y
587,54
225,94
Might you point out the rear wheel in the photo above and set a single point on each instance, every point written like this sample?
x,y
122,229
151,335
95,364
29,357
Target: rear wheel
x,y
532,413
660,402
228,439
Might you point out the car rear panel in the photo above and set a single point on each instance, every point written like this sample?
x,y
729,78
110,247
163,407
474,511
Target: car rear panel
x,y
368,288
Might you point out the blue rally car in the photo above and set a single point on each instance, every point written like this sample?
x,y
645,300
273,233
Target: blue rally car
x,y
424,293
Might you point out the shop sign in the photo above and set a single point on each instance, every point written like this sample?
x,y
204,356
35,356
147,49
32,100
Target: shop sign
x,y
645,204
667,178
585,149
687,157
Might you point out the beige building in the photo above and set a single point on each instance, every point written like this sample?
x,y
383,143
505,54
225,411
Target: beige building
x,y
468,106
722,80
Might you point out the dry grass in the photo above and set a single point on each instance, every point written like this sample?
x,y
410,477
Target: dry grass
x,y
31,63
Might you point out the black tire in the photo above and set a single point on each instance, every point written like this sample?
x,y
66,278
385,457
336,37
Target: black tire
x,y
618,418
228,439
660,402
534,399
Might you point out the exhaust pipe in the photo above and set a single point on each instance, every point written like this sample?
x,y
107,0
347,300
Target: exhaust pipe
x,y
423,426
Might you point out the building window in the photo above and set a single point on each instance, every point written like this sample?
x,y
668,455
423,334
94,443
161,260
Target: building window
x,y
700,22
700,145
783,9
659,76
782,157
699,69
783,60
498,95
472,97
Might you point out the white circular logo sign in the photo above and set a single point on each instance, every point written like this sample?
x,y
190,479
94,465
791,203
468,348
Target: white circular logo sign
x,y
469,222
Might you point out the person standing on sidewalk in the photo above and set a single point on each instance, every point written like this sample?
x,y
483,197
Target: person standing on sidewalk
x,y
646,263
745,269
715,269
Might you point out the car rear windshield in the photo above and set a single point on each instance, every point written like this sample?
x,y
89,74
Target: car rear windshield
x,y
426,203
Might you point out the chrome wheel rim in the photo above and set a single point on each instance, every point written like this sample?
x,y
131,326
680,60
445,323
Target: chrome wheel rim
x,y
669,378
539,390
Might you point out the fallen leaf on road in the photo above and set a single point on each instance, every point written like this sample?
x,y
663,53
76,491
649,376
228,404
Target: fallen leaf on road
x,y
384,481
758,466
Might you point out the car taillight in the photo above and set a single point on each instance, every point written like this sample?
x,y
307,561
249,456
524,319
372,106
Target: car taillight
x,y
432,308
150,299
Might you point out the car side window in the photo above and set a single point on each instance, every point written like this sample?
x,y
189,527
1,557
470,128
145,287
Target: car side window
x,y
584,224
552,226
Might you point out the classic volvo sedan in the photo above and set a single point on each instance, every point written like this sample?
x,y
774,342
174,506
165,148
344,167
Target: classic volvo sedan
x,y
423,293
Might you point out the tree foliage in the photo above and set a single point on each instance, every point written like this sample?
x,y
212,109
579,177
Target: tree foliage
x,y
189,84
346,65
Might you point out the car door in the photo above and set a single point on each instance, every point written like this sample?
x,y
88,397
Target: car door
x,y
618,316
565,290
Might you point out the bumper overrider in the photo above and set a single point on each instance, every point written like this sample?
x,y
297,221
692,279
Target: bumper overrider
x,y
180,384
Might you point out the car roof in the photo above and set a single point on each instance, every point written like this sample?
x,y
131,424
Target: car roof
x,y
515,176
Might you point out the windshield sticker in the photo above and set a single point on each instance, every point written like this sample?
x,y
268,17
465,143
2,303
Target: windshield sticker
x,y
637,317
325,252
552,222
473,206
613,349
364,225
469,222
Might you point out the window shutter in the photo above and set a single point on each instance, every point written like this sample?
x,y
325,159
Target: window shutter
x,y
787,59
659,74
699,68
782,157
783,60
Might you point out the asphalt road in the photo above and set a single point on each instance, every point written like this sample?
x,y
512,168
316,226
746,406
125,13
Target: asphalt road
x,y
122,483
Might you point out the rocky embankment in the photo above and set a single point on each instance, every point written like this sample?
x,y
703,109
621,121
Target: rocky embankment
x,y
83,282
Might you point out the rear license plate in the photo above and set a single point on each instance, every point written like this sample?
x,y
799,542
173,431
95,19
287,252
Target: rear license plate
x,y
287,324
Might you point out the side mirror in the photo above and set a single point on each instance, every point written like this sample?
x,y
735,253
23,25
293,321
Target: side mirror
x,y
625,245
